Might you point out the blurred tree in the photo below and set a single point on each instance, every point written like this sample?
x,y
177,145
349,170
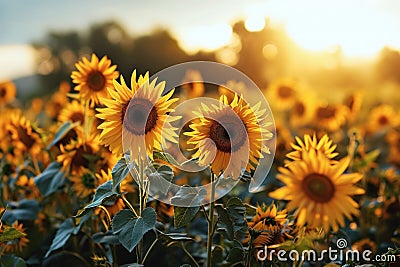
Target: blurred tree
x,y
388,65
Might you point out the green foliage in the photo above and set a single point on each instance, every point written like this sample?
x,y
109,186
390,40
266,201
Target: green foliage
x,y
51,179
12,261
131,229
120,171
104,193
225,222
9,234
66,229
61,132
183,215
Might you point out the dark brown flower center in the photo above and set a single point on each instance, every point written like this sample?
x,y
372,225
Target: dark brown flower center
x,y
318,187
350,102
229,134
77,116
139,116
383,120
299,108
25,138
96,81
3,92
326,112
285,91
80,158
88,180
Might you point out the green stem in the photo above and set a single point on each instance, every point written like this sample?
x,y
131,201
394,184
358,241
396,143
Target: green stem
x,y
211,222
148,251
142,206
189,255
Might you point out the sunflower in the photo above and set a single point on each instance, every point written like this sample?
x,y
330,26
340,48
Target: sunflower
x,y
79,153
93,77
28,186
393,139
381,118
283,92
353,103
7,92
231,88
319,190
268,227
323,145
17,245
25,138
57,102
74,112
364,244
84,182
193,84
301,112
125,117
330,117
211,137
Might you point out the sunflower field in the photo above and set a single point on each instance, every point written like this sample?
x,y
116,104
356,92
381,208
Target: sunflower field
x,y
77,167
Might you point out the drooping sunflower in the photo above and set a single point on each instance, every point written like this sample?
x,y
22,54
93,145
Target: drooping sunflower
x,y
74,112
269,227
230,136
319,191
19,244
93,77
381,118
25,138
393,139
330,117
353,103
79,153
323,145
283,92
8,92
125,126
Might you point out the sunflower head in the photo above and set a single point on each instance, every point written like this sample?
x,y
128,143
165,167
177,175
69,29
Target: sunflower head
x,y
319,190
330,117
79,153
8,92
230,137
323,145
284,91
381,118
93,77
353,103
268,227
74,112
25,137
137,119
84,182
301,112
19,244
56,104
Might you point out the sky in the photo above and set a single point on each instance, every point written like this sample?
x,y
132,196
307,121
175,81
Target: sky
x,y
360,27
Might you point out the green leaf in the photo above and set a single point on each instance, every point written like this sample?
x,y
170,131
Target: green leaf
x,y
12,261
131,229
161,180
120,171
165,157
105,238
171,237
183,215
9,234
217,255
24,210
62,132
235,255
64,232
50,180
103,193
225,221
188,197
236,210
